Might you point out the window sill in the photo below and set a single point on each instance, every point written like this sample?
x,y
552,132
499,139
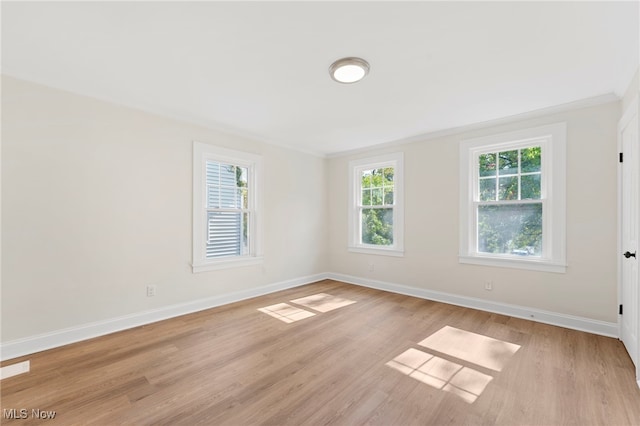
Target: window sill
x,y
377,251
226,264
531,264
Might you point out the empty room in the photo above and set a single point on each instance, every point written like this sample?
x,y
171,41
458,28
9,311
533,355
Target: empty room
x,y
320,213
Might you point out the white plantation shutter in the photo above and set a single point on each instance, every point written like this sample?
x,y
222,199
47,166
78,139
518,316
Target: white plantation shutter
x,y
224,232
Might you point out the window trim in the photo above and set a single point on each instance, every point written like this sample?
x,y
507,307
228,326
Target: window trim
x,y
201,153
553,196
395,160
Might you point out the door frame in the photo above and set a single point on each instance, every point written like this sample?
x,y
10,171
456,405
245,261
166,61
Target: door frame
x,y
628,114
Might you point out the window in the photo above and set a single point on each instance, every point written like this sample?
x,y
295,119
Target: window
x,y
512,202
376,205
225,212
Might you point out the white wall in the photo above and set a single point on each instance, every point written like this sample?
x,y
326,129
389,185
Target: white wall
x,y
96,204
632,90
588,289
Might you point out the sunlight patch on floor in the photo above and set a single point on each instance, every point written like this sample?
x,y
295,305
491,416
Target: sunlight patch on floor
x,y
455,377
14,369
442,374
285,312
475,348
323,302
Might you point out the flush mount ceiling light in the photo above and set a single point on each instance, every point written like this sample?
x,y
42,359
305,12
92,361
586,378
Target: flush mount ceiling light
x,y
349,70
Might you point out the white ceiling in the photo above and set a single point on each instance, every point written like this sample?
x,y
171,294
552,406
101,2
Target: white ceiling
x,y
260,69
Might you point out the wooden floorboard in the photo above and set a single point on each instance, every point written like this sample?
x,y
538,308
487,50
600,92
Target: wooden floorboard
x,y
235,365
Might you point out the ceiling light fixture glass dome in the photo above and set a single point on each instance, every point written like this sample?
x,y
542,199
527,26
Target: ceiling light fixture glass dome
x,y
349,70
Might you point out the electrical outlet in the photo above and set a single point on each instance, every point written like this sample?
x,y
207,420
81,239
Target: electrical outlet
x,y
488,285
151,290
371,267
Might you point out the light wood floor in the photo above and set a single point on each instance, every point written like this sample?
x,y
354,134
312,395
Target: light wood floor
x,y
235,365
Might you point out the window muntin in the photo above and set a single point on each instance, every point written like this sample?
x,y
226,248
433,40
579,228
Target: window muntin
x,y
375,212
226,208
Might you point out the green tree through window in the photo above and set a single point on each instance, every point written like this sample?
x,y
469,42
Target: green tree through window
x,y
376,199
510,208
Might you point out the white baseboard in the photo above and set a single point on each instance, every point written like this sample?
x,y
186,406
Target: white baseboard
x,y
609,329
41,342
54,339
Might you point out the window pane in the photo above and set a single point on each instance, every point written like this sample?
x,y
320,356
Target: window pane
x,y
377,178
376,196
366,197
244,237
510,229
224,230
377,226
366,178
243,198
488,189
213,196
508,188
388,195
228,199
388,176
530,187
241,177
487,164
508,162
213,173
227,175
530,160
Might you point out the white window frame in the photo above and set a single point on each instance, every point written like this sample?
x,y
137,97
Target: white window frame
x,y
201,154
395,160
552,139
